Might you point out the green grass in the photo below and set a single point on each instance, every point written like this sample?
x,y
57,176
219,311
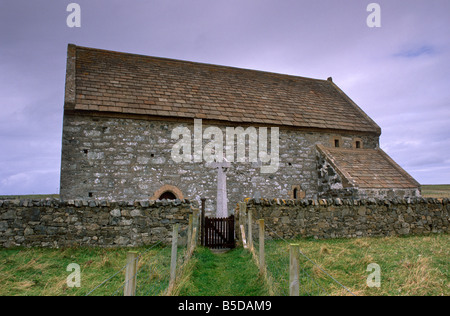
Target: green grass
x,y
436,191
415,265
42,272
225,274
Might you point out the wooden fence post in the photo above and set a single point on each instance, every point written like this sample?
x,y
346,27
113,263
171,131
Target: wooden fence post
x,y
202,223
173,262
250,229
193,242
190,231
196,224
131,274
244,240
242,213
262,258
241,223
294,283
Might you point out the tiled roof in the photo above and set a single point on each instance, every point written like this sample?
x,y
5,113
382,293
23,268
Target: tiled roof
x,y
106,81
368,168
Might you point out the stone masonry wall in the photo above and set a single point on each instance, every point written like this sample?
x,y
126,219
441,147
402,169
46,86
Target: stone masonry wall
x,y
55,223
336,218
119,158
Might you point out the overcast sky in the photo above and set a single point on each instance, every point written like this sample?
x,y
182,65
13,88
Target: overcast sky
x,y
399,73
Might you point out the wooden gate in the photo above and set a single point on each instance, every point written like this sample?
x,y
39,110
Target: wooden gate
x,y
218,233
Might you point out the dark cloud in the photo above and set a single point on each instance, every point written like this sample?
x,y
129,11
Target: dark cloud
x,y
397,73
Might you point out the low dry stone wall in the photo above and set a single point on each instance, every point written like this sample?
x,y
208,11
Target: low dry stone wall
x,y
55,223
336,218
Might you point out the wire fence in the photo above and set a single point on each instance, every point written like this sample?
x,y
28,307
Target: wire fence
x,y
153,271
287,269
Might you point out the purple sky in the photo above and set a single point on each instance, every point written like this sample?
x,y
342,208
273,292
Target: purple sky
x,y
398,74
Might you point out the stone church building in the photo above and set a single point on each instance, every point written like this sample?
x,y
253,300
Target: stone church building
x,y
121,112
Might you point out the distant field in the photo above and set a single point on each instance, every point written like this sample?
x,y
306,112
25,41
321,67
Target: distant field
x,y
436,191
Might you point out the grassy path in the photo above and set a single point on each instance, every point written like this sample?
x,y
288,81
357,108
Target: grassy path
x,y
226,274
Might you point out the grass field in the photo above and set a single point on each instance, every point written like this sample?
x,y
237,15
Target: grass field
x,y
416,265
42,272
436,191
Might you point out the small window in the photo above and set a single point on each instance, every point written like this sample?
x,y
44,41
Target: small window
x,y
90,194
336,143
357,143
296,193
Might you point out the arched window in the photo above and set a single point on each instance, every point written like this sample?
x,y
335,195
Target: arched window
x,y
167,196
296,193
168,192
